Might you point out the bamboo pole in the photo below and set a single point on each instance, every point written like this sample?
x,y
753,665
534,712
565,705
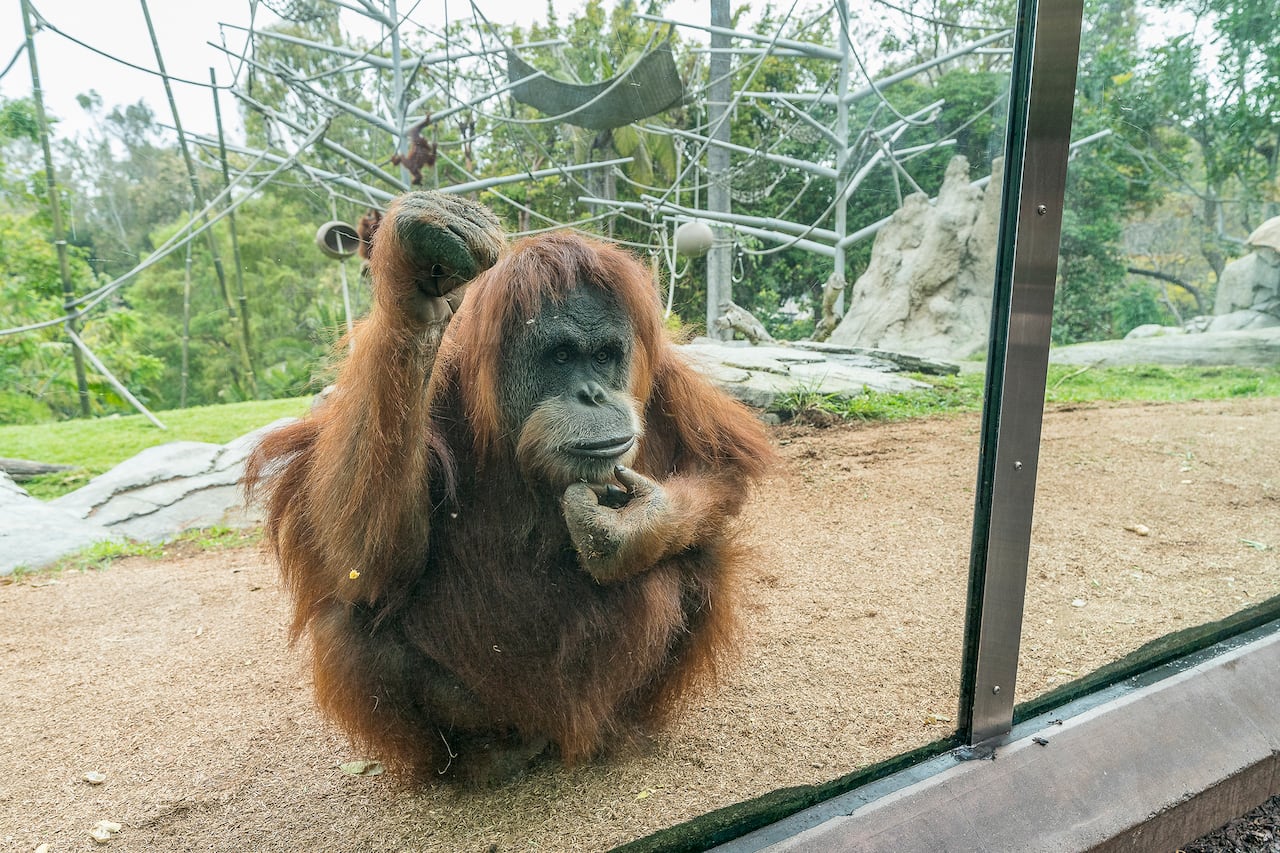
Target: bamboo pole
x,y
241,297
55,211
186,322
219,271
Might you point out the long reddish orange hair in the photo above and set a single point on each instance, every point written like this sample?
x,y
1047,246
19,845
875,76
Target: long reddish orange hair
x,y
710,429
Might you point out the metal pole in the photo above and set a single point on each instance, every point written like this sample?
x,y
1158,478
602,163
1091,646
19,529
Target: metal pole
x,y
241,297
55,211
720,258
346,289
1046,53
186,153
186,323
842,147
81,346
195,187
398,105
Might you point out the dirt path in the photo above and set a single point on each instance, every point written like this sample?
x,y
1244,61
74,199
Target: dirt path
x,y
173,678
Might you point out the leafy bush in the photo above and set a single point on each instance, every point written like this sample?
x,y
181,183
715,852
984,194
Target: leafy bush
x,y
21,409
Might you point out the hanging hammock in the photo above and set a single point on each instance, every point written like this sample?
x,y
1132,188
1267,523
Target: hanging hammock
x,y
647,88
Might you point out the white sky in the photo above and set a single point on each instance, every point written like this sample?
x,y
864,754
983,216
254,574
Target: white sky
x,y
183,27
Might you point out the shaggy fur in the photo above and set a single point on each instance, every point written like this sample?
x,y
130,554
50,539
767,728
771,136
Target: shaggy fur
x,y
454,627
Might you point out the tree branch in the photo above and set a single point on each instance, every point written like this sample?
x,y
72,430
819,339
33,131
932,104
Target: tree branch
x,y
1202,304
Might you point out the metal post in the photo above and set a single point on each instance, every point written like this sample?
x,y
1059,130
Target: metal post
x,y
81,346
55,211
842,146
241,297
1046,52
186,322
720,258
399,113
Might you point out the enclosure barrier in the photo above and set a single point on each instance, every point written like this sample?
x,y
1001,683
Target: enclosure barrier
x,y
1146,753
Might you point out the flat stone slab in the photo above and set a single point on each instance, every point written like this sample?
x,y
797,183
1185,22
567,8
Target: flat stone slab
x,y
883,359
35,534
1244,348
166,490
759,375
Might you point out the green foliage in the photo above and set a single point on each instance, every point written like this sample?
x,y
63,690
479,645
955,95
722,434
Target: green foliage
x,y
949,394
1136,305
100,555
18,408
125,183
49,486
294,303
218,538
38,364
18,120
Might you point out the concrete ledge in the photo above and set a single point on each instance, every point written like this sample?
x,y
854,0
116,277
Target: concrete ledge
x,y
1148,771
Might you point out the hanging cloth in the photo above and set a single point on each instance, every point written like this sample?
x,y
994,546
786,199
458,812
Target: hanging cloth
x,y
647,88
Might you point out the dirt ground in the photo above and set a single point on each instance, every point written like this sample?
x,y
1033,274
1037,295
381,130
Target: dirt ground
x,y
172,678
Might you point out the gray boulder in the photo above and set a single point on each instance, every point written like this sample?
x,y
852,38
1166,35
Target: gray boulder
x,y
1246,348
1246,318
758,375
166,490
1252,282
35,534
927,289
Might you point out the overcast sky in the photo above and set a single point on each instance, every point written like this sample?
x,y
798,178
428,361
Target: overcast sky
x,y
183,27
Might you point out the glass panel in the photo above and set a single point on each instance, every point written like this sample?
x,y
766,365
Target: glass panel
x,y
1156,507
852,605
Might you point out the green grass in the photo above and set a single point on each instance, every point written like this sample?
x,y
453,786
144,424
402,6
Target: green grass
x,y
1066,384
100,555
97,444
1159,384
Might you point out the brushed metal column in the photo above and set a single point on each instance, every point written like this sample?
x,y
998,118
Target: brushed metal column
x,y
1046,52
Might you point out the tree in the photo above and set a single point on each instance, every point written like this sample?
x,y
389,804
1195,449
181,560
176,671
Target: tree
x,y
1107,183
123,183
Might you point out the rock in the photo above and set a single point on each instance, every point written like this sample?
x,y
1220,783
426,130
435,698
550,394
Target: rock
x,y
1153,330
1253,281
1246,348
758,375
165,490
742,321
1266,235
883,359
928,287
1248,281
35,534
1245,318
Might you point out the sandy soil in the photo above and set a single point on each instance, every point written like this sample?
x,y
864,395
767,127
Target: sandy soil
x,y
172,677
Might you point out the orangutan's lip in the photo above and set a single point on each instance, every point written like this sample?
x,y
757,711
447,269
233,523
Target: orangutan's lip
x,y
609,448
